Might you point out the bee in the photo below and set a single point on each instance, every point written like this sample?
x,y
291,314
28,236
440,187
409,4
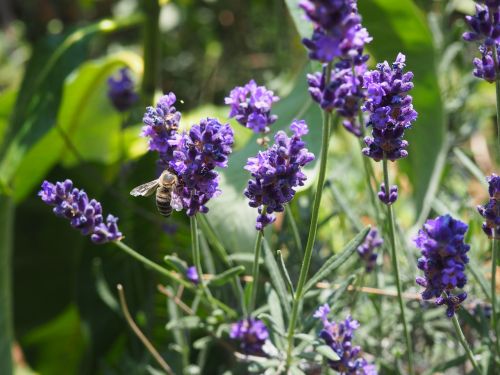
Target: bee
x,y
166,196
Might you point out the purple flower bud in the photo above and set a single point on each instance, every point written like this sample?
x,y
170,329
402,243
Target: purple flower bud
x,y
444,256
251,106
491,210
121,90
338,336
367,250
390,197
251,334
192,275
276,172
83,214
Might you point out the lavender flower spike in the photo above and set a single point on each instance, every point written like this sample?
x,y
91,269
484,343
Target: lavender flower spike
x,y
251,106
83,214
251,334
367,250
337,30
121,91
390,108
491,210
338,336
444,256
276,172
160,126
198,152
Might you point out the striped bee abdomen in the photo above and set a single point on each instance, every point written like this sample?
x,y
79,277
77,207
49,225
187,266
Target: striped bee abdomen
x,y
163,198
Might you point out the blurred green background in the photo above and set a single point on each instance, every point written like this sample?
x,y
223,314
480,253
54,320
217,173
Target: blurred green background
x,y
56,122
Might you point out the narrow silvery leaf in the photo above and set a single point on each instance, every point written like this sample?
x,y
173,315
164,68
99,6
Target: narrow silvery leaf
x,y
276,278
327,352
226,276
284,272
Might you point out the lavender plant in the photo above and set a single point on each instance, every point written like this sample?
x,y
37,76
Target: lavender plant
x,y
218,313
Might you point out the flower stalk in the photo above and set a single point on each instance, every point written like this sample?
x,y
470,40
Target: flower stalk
x,y
255,270
465,345
394,259
304,270
494,322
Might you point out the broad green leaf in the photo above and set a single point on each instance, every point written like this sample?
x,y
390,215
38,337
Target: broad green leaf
x,y
226,276
6,295
53,59
335,261
87,124
400,26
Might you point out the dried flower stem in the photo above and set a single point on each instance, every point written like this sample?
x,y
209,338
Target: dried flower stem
x,y
255,270
176,299
304,269
465,345
392,237
139,333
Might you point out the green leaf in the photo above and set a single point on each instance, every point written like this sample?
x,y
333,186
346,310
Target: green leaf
x,y
174,262
337,260
276,278
284,271
404,25
226,276
275,326
87,124
277,314
186,322
327,352
6,296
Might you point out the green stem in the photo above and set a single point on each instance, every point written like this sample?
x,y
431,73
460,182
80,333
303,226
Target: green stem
x,y
6,320
255,271
295,229
392,237
151,30
369,173
195,247
217,245
494,322
465,345
304,269
152,265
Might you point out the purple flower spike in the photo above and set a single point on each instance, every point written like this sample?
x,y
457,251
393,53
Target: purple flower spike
x,y
390,108
367,250
276,172
84,214
338,32
444,256
251,334
192,275
344,93
339,336
485,29
121,90
205,146
491,210
251,106
160,126
388,198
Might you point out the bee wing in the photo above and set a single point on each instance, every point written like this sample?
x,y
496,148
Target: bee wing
x,y
145,190
176,202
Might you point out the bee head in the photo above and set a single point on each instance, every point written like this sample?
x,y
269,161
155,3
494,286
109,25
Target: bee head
x,y
168,178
